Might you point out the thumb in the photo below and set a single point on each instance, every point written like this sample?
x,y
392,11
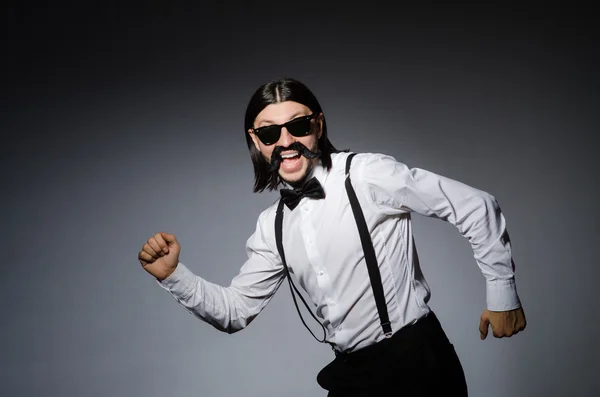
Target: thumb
x,y
169,238
484,323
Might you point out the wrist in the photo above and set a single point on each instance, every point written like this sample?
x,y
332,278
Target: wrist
x,y
165,275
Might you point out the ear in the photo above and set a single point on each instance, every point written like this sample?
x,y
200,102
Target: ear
x,y
254,139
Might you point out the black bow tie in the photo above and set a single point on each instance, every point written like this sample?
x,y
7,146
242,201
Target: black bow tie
x,y
311,188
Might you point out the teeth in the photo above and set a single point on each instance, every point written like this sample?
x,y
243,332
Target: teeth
x,y
289,155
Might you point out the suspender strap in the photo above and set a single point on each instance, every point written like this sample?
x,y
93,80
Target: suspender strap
x,y
370,258
279,241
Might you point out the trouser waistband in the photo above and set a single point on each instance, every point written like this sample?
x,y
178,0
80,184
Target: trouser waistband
x,y
428,324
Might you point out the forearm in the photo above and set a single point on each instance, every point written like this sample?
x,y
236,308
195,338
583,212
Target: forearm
x,y
492,250
478,218
228,309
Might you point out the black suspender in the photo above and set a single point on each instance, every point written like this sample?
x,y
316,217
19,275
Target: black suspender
x,y
370,258
369,252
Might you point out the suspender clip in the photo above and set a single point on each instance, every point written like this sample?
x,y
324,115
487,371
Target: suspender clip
x,y
387,329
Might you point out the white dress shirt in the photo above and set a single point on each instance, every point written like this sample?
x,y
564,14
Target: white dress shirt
x,y
323,250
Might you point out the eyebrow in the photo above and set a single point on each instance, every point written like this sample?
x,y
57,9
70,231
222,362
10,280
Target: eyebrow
x,y
269,122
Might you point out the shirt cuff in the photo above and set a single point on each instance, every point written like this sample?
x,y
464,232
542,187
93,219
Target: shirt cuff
x,y
502,295
180,283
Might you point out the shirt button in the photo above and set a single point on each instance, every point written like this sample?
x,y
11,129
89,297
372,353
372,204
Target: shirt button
x,y
321,272
332,303
339,328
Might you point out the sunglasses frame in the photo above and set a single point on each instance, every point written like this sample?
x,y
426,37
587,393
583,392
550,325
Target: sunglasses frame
x,y
256,131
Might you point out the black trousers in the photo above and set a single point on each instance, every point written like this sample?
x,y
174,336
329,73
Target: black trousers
x,y
417,360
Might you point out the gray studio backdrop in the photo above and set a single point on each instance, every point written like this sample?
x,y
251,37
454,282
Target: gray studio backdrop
x,y
119,126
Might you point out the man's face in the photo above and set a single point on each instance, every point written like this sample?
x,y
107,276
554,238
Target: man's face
x,y
295,168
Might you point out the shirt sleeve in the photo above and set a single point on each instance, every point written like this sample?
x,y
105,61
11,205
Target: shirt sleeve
x,y
396,189
232,308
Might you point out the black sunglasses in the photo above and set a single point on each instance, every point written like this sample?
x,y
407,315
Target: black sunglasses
x,y
297,127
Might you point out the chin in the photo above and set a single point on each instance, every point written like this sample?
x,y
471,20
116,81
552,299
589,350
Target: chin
x,y
294,178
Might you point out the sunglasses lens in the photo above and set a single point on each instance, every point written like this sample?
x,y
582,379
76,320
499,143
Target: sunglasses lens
x,y
269,135
299,127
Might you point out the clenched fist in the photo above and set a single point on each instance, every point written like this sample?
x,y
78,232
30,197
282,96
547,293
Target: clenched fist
x,y
504,324
160,255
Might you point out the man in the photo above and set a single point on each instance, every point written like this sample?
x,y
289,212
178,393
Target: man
x,y
345,232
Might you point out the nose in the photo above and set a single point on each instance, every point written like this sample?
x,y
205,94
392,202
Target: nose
x,y
286,139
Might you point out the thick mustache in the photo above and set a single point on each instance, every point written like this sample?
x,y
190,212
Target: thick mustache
x,y
297,146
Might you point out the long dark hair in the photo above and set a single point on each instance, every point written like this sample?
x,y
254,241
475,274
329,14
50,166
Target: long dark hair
x,y
278,91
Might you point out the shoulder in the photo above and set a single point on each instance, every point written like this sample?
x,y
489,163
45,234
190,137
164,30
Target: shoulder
x,y
263,237
267,216
364,165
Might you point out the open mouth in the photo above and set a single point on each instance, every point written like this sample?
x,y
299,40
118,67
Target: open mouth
x,y
290,159
290,156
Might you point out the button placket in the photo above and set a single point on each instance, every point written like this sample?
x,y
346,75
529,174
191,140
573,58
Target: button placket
x,y
309,235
